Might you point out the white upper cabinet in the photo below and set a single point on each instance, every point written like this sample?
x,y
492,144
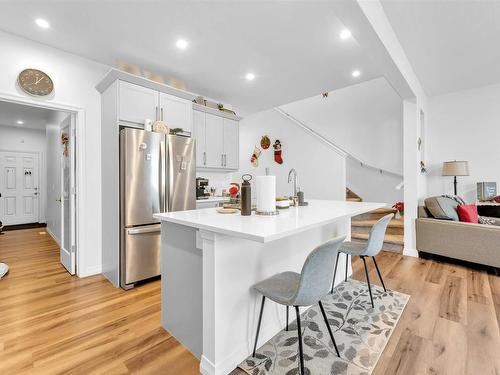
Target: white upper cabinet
x,y
176,112
199,135
231,144
214,141
137,103
217,141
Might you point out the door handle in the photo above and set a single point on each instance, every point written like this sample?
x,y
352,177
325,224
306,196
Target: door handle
x,y
225,160
161,113
148,229
163,207
222,160
156,113
204,158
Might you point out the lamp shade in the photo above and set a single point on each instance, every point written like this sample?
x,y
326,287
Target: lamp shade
x,y
455,168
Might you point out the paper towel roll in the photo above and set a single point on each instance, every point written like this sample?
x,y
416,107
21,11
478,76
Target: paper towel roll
x,y
266,193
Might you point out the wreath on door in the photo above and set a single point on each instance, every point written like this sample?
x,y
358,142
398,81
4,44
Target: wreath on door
x,y
65,143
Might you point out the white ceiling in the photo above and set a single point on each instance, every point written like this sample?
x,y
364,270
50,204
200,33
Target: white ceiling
x,y
293,47
452,45
32,117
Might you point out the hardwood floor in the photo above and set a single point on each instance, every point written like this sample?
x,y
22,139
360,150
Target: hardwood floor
x,y
53,323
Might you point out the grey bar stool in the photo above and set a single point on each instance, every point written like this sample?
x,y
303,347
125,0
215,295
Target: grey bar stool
x,y
302,289
369,249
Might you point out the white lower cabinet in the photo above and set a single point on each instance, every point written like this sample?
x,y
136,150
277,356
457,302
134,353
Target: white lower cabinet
x,y
217,141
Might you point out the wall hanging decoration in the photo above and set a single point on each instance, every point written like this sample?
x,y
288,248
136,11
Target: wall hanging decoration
x,y
255,156
265,142
65,143
35,82
277,152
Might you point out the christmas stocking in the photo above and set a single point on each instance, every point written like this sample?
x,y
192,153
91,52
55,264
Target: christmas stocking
x,y
277,152
255,157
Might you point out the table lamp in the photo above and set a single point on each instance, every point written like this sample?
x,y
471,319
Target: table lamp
x,y
455,168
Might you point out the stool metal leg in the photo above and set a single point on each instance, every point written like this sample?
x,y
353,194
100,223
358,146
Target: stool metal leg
x,y
379,274
329,328
286,319
368,281
258,325
299,333
346,265
335,271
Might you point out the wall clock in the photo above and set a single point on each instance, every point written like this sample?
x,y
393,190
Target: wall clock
x,y
35,82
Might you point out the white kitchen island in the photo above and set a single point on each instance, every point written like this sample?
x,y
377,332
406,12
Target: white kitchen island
x,y
209,262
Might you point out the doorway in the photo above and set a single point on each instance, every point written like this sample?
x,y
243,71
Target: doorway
x,y
19,176
38,174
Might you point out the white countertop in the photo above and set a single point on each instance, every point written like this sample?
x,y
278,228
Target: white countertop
x,y
269,228
213,199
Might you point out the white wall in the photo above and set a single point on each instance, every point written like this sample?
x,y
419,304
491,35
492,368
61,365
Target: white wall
x,y
74,80
53,136
320,170
28,140
464,126
365,119
371,185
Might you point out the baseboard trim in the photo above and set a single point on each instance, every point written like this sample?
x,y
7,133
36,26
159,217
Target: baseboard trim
x,y
23,226
90,271
53,236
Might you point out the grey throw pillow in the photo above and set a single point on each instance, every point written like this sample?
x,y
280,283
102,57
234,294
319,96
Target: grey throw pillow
x,y
442,208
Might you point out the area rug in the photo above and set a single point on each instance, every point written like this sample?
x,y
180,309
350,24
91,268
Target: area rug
x,y
361,333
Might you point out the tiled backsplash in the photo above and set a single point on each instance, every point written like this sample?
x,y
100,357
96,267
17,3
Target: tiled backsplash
x,y
218,180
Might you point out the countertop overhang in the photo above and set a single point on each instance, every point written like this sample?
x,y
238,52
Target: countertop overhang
x,y
269,228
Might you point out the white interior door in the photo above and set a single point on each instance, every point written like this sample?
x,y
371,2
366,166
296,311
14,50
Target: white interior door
x,y
68,196
19,188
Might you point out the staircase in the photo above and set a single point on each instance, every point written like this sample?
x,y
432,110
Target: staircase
x,y
361,225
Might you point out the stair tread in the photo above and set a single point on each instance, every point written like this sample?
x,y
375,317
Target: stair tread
x,y
394,223
354,199
390,238
383,210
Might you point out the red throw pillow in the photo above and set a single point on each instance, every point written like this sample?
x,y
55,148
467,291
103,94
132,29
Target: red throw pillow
x,y
468,213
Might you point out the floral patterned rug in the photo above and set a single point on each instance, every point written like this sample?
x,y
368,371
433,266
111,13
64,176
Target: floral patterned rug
x,y
361,333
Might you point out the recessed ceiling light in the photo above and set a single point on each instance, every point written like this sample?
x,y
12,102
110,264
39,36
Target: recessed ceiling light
x,y
20,122
44,24
181,44
250,76
345,34
356,73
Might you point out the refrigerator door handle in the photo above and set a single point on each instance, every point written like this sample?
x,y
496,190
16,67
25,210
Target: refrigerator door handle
x,y
162,191
170,185
148,229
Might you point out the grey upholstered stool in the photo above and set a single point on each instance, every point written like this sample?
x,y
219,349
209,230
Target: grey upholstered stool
x,y
302,289
369,249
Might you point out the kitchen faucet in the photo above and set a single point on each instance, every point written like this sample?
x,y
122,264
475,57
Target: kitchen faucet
x,y
294,173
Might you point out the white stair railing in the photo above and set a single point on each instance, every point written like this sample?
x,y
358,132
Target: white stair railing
x,y
335,147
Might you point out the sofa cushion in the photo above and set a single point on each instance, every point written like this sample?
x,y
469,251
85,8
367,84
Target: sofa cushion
x,y
443,208
468,213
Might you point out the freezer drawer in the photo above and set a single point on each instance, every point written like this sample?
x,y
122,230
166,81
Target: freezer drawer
x,y
141,253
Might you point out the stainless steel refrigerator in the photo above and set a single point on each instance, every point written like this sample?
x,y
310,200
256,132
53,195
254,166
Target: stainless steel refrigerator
x,y
157,174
